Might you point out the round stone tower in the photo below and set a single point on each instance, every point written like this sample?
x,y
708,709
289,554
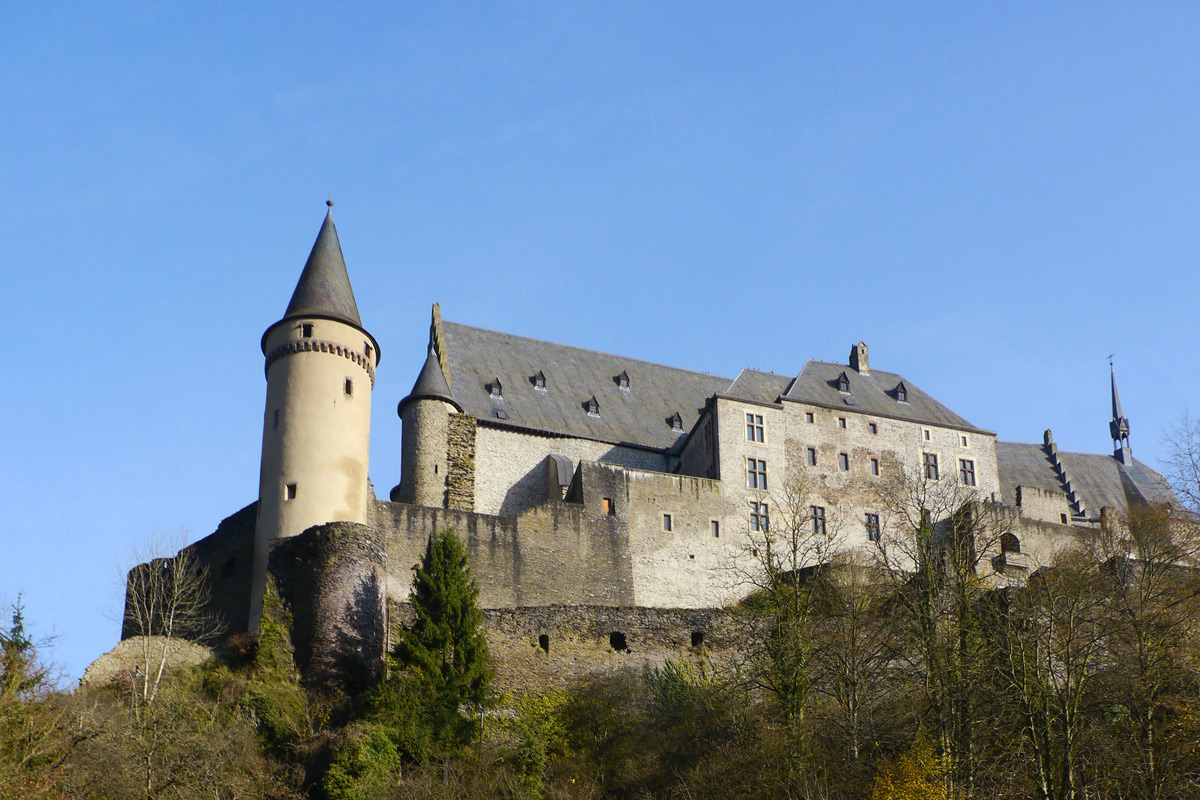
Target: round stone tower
x,y
426,428
320,370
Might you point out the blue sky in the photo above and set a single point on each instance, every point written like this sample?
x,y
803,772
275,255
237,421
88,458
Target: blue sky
x,y
994,196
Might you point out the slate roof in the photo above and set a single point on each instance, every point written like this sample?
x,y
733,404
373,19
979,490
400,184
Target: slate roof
x,y
1098,480
431,383
871,394
757,386
640,415
324,287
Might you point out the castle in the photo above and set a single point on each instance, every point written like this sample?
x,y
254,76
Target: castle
x,y
602,499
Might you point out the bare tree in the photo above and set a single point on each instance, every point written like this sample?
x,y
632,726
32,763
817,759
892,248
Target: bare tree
x,y
167,602
1182,464
935,535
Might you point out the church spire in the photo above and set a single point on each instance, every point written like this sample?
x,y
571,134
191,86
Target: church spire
x,y
324,287
1119,427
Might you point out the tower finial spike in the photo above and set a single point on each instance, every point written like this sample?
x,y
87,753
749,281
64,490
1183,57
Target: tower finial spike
x,y
329,202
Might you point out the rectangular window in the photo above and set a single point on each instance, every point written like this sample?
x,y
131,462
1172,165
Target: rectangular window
x,y
844,462
872,527
306,330
754,428
349,387
841,422
931,466
289,492
606,505
758,517
818,519
964,441
966,470
715,526
756,473
812,456
926,432
667,522
872,427
874,466
808,417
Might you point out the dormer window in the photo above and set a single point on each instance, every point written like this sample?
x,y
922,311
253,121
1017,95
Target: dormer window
x,y
593,407
901,392
676,422
623,380
843,383
539,381
495,389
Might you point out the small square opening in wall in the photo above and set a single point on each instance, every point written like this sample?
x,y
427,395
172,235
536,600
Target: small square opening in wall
x,y
715,527
841,422
289,492
808,417
544,643
616,640
348,387
667,522
306,330
964,441
697,638
925,432
606,506
872,427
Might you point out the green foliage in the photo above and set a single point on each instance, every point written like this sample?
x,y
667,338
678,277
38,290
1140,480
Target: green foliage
x,y
537,726
280,705
367,766
445,648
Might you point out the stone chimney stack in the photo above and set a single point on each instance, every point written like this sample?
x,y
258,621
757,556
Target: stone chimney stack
x,y
859,360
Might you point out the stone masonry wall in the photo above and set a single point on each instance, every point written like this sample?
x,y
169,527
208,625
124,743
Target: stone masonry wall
x,y
510,466
460,463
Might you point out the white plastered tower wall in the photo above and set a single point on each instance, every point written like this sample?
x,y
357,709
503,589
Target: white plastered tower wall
x,y
320,371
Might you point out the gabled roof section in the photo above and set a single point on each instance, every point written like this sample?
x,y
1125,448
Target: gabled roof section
x,y
757,386
324,286
871,394
1098,480
633,416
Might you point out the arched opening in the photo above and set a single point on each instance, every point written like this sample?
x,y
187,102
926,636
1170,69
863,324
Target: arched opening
x,y
544,643
1009,543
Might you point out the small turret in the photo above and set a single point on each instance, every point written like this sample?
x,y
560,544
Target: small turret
x,y
426,419
320,370
1119,426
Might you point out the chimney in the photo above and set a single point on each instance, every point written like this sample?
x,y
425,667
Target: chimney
x,y
859,360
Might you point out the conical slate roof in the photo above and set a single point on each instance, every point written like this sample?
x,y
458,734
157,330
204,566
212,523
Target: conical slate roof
x,y
431,384
324,287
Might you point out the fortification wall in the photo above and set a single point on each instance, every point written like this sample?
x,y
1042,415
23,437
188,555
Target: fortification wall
x,y
510,466
553,554
558,646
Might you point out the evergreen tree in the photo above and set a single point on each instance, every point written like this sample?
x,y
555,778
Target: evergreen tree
x,y
444,649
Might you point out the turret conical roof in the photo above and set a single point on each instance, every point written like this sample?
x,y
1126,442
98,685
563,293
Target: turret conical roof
x,y
324,286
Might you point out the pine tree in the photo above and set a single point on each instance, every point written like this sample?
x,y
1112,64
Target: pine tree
x,y
444,648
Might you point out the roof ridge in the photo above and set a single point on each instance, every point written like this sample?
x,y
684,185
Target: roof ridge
x,y
588,350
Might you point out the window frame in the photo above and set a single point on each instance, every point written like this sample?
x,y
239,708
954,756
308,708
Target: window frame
x,y
929,466
756,474
755,428
966,471
871,522
760,516
844,462
817,514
